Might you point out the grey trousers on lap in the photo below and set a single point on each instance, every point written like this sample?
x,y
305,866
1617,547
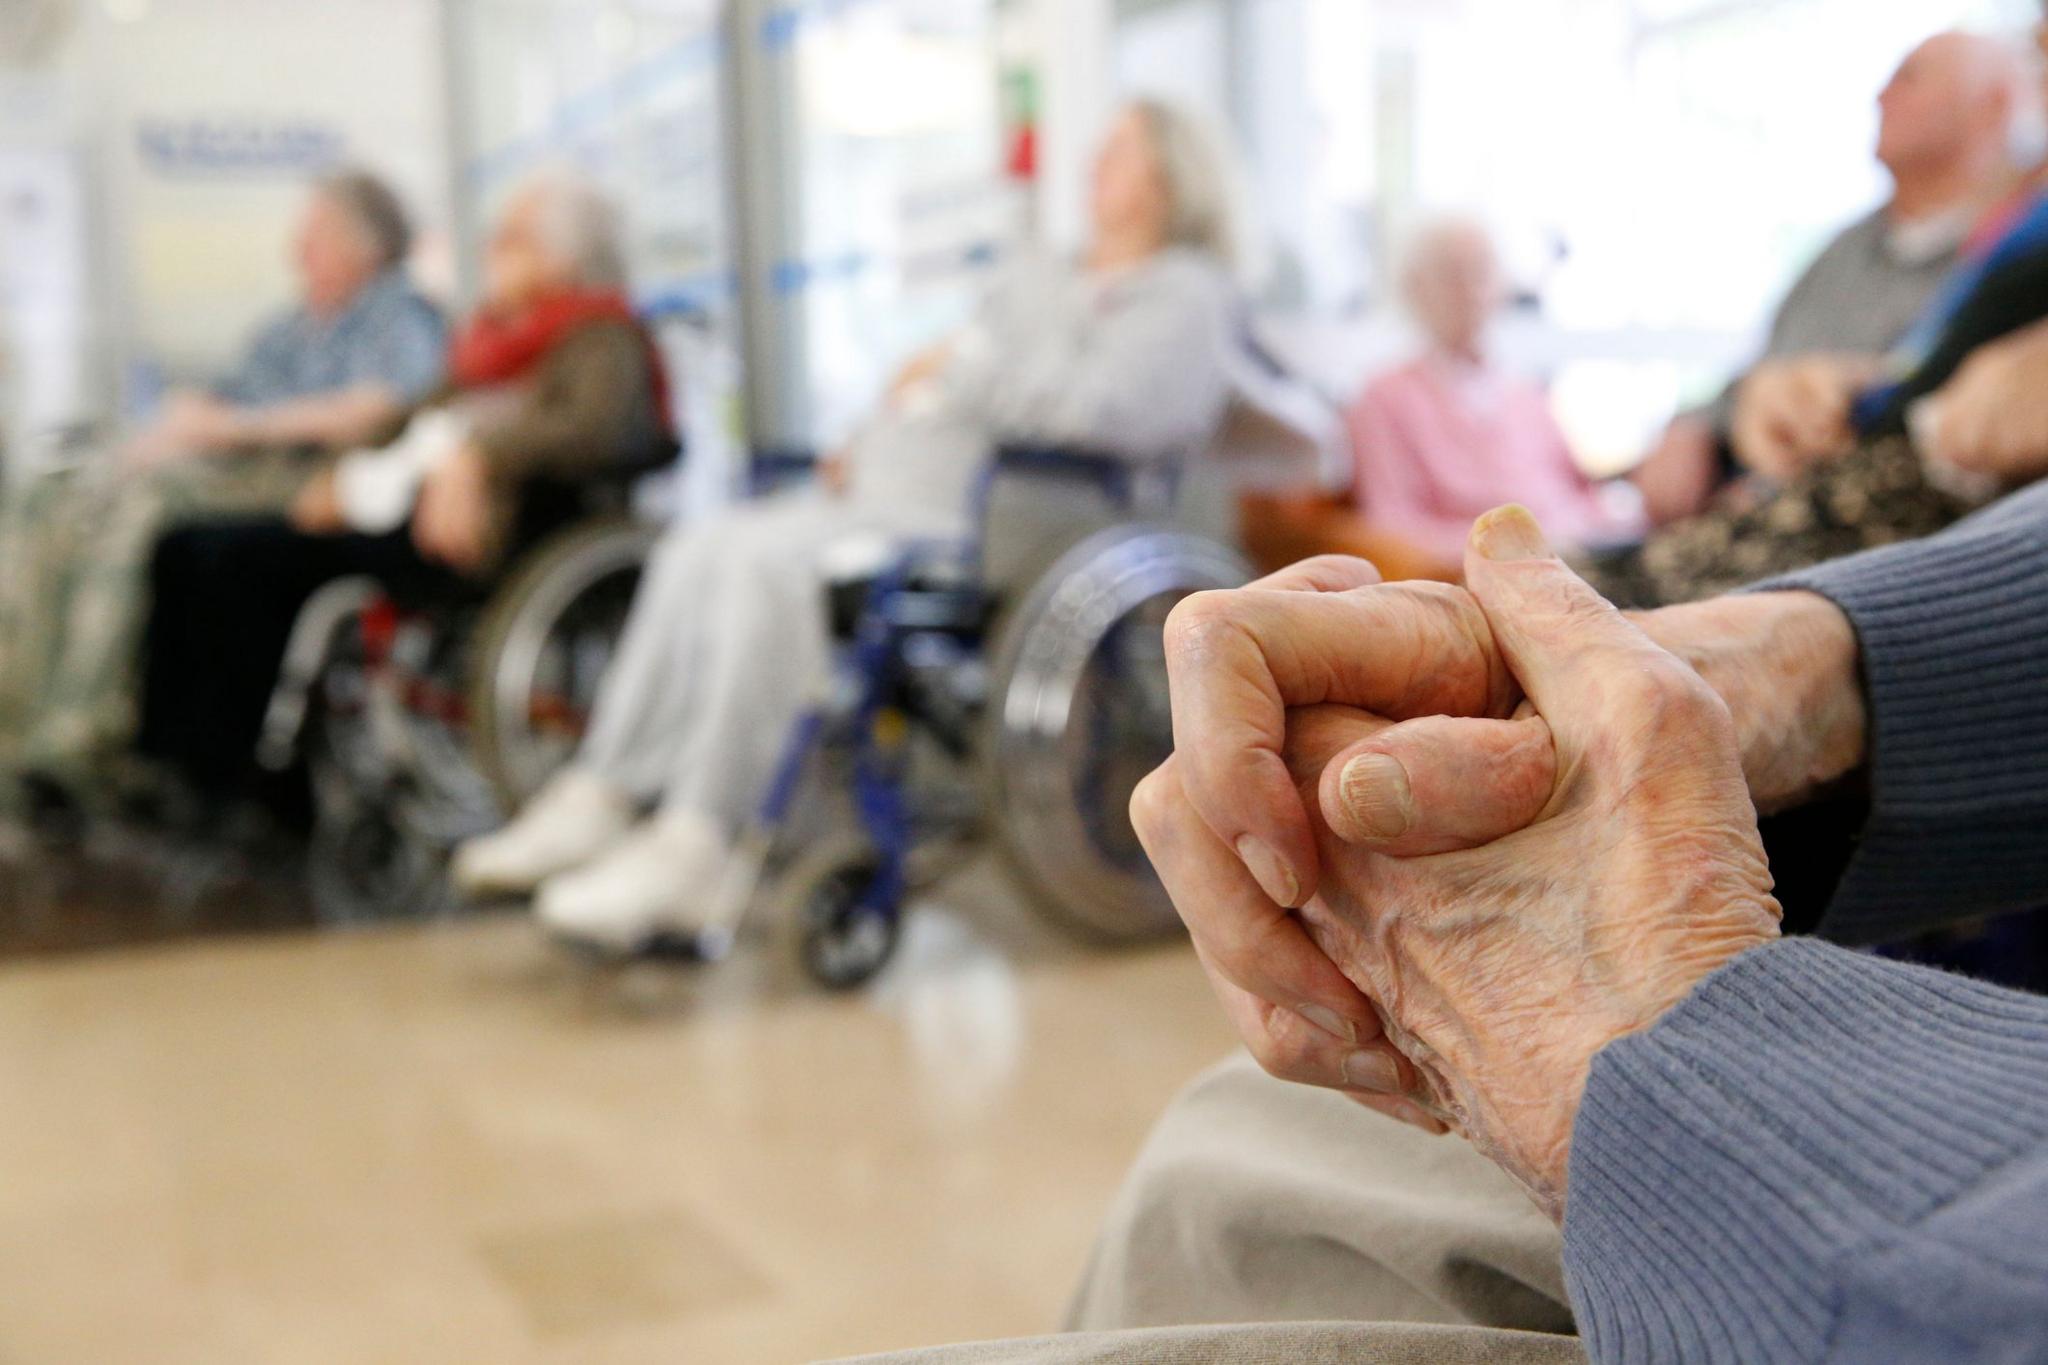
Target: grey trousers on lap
x,y
1256,1200
1286,1343
1302,1228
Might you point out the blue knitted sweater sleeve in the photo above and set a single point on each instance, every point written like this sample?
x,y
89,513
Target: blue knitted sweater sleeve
x,y
1954,639
1821,1155
1818,1155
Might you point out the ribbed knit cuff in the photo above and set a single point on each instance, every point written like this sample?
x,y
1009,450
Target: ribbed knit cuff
x,y
1954,637
1799,1104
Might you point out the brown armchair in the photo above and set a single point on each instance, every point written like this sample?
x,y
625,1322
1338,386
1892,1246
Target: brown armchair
x,y
1281,528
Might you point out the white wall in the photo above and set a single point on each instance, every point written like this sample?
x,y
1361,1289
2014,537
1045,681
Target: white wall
x,y
1073,41
207,116
46,314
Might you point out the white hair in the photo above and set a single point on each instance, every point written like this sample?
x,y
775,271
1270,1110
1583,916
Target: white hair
x,y
580,226
2026,132
1201,180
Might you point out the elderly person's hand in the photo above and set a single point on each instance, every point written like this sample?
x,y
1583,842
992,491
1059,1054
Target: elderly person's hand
x,y
193,422
452,520
835,472
1676,478
921,369
1791,414
1224,816
1468,771
317,509
1503,969
1991,419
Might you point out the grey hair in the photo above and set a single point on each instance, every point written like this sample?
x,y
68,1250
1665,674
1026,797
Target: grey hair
x,y
581,226
1201,180
374,208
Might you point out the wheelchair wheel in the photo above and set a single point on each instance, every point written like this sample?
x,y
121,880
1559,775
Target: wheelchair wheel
x,y
365,862
1078,715
365,868
542,649
847,937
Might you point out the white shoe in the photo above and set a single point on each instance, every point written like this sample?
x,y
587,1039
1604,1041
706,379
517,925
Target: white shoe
x,y
572,820
658,881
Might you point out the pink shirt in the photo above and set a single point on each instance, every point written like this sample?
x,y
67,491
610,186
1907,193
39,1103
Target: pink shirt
x,y
1440,440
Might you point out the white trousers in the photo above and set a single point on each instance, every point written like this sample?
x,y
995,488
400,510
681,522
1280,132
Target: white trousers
x,y
729,640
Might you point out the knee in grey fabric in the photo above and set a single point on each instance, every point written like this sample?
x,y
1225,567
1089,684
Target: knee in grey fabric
x,y
1259,1201
1293,1343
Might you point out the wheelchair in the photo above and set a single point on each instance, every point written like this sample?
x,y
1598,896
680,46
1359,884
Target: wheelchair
x,y
419,724
1020,703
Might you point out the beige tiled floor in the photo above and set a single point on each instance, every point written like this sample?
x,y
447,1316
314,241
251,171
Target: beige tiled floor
x,y
451,1144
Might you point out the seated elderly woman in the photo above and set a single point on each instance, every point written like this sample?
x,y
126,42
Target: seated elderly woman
x,y
359,349
552,379
1487,861
1450,433
1126,350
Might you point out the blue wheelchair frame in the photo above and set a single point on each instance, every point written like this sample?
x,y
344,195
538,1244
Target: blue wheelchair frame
x,y
931,590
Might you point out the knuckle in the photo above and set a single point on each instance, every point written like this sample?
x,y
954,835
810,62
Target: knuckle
x,y
1266,1051
1288,1054
1339,572
1152,799
1677,698
1199,623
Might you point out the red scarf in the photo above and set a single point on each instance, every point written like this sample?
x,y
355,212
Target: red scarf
x,y
493,350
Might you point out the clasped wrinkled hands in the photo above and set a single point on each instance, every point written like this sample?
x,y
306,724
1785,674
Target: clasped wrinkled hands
x,y
1437,846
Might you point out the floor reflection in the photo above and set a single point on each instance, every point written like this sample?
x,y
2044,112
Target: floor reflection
x,y
115,886
452,1141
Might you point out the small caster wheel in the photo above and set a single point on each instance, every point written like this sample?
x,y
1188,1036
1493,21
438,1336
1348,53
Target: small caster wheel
x,y
846,937
365,868
682,950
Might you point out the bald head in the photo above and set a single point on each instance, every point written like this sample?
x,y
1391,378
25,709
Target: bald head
x,y
1951,108
1453,282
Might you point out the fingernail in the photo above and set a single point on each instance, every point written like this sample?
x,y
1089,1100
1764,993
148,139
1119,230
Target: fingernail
x,y
1509,533
1369,1070
1329,1021
1275,877
1376,793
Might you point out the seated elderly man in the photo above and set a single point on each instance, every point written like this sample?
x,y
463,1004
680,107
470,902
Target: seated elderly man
x,y
1946,126
1924,445
553,380
1486,860
1852,452
358,350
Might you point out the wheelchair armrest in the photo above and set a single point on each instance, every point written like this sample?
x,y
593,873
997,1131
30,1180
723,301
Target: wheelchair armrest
x,y
546,503
305,658
669,451
772,468
1117,476
887,587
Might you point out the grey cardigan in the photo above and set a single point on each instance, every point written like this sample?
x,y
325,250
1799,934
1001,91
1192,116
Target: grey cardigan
x,y
1821,1155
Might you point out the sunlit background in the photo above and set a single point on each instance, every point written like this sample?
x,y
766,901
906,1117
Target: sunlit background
x,y
878,153
463,1146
